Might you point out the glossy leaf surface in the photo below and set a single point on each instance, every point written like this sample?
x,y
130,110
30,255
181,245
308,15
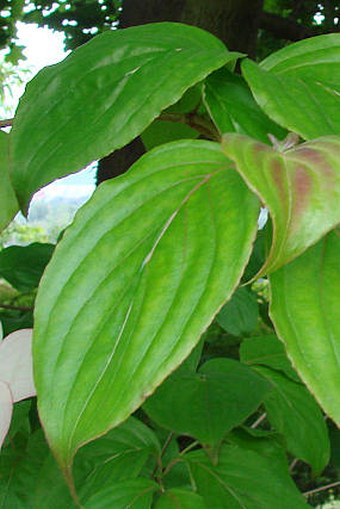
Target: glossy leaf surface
x,y
209,403
294,412
132,494
112,93
298,86
178,498
243,479
233,108
9,205
305,303
133,284
300,187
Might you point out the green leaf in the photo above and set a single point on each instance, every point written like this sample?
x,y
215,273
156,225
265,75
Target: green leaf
x,y
233,108
300,187
240,315
116,84
133,284
9,205
293,411
30,474
120,454
258,256
15,320
9,499
132,494
267,351
208,404
243,479
266,443
160,132
305,307
189,102
334,436
298,86
20,419
179,498
23,266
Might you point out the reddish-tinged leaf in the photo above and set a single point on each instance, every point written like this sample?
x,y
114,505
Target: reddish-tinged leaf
x,y
299,186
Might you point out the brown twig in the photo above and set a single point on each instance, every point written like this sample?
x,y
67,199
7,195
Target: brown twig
x,y
6,123
258,421
164,448
321,488
293,463
202,125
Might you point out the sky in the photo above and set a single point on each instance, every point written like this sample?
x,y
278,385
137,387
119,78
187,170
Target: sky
x,y
44,47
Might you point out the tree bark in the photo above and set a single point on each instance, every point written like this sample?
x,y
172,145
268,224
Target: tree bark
x,y
235,22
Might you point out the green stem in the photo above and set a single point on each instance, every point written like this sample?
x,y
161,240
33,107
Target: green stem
x,y
16,308
204,126
322,488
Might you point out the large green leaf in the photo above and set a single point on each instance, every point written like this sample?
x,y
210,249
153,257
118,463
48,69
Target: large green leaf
x,y
300,187
208,404
128,494
103,95
133,284
293,411
299,86
22,266
305,303
267,351
233,108
9,205
178,498
243,479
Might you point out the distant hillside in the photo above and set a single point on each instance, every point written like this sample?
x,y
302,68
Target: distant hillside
x,y
51,211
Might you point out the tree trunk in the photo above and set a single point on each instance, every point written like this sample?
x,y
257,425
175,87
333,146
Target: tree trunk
x,y
235,22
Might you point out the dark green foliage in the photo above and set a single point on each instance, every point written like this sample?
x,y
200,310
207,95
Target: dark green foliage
x,y
161,382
